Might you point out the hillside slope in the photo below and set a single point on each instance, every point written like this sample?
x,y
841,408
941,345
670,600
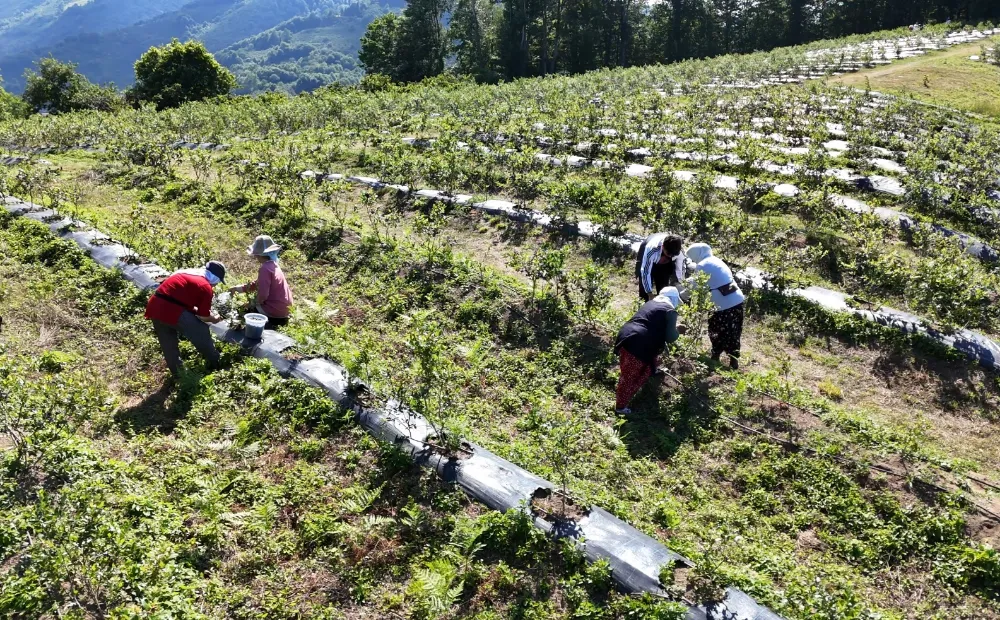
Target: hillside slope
x,y
106,50
946,78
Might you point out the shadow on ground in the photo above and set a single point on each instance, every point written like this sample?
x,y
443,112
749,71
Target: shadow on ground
x,y
665,417
160,411
152,414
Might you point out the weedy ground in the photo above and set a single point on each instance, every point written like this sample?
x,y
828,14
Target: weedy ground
x,y
235,494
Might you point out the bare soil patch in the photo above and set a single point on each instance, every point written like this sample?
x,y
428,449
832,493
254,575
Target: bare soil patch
x,y
556,507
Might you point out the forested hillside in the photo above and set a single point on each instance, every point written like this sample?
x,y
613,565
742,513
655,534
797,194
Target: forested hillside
x,y
521,38
304,52
28,28
26,24
298,45
105,37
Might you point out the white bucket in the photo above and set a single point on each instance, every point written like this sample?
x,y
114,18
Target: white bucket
x,y
255,325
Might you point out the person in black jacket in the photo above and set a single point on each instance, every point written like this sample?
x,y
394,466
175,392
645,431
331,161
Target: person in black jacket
x,y
640,342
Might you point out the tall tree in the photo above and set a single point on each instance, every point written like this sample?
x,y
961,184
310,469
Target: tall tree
x,y
514,37
179,72
796,22
11,107
730,19
471,34
422,40
54,87
677,15
380,46
581,39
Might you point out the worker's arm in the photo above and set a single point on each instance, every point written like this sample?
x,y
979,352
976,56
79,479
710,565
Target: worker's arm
x,y
249,287
690,281
205,306
672,333
646,271
680,270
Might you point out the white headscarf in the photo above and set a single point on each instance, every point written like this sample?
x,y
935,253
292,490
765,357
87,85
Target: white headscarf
x,y
669,295
699,252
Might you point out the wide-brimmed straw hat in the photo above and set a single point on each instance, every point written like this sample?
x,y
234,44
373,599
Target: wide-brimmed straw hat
x,y
263,245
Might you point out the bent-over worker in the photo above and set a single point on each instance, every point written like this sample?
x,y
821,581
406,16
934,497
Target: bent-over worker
x,y
725,326
182,305
659,264
640,342
273,295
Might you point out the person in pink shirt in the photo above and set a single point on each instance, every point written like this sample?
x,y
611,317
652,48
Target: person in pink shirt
x,y
274,297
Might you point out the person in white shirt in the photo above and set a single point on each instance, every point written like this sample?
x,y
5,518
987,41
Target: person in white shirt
x,y
725,327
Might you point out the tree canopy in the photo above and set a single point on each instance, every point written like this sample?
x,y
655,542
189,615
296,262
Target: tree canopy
x,y
524,38
57,87
179,72
379,45
11,107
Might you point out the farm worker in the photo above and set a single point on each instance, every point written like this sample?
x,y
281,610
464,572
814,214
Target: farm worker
x,y
640,341
274,297
660,263
725,326
182,305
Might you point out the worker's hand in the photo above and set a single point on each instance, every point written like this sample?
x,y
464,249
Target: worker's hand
x,y
682,329
235,289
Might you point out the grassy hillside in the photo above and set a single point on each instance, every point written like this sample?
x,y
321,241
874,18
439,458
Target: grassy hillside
x,y
107,46
946,78
238,495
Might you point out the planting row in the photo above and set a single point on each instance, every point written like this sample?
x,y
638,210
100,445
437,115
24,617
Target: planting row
x,y
977,346
972,246
636,560
495,419
243,495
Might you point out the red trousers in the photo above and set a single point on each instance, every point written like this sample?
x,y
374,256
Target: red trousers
x,y
634,374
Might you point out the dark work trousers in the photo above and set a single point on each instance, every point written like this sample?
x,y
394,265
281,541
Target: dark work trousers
x,y
195,331
274,322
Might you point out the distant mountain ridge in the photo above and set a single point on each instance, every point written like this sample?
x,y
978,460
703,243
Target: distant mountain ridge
x,y
289,45
26,25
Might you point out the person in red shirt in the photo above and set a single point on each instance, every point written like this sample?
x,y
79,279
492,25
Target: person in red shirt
x,y
182,305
